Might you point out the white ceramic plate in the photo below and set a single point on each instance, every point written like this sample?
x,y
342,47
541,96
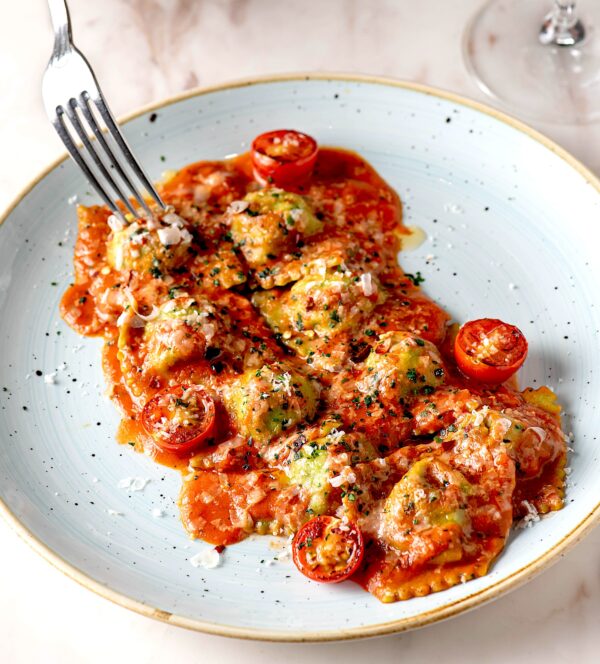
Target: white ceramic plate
x,y
512,224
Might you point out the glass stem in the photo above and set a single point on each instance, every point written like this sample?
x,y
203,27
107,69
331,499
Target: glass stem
x,y
562,27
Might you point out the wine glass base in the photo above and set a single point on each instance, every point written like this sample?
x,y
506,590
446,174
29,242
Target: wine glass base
x,y
547,83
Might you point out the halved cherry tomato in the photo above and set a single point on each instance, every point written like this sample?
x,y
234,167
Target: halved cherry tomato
x,y
284,157
328,550
180,418
489,350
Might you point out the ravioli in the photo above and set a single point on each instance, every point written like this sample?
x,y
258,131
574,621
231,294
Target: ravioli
x,y
331,372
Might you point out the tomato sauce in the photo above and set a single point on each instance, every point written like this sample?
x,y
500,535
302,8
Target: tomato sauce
x,y
331,372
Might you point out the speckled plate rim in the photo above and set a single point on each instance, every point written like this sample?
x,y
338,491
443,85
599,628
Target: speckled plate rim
x,y
448,610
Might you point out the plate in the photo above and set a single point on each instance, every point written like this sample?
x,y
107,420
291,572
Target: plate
x,y
512,232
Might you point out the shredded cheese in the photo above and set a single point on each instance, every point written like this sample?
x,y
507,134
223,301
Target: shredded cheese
x,y
367,285
133,483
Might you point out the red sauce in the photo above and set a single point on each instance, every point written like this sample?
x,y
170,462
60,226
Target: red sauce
x,y
332,372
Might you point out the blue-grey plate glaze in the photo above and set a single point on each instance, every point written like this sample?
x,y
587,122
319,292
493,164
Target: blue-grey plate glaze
x,y
513,233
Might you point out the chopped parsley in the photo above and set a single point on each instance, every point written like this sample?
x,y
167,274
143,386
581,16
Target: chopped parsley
x,y
416,278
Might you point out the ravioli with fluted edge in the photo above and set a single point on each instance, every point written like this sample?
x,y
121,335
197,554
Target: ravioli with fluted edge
x,y
261,338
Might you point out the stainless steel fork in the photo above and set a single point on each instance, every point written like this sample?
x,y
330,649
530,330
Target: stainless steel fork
x,y
78,111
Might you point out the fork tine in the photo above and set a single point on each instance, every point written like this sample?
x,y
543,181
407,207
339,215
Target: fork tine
x,y
86,109
82,133
62,130
120,139
73,120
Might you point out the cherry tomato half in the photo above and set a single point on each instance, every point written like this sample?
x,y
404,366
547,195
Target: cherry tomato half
x,y
328,550
489,350
284,157
180,418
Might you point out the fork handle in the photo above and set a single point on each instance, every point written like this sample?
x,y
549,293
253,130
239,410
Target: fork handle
x,y
61,22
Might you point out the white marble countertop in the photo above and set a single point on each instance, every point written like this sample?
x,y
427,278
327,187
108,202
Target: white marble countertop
x,y
144,50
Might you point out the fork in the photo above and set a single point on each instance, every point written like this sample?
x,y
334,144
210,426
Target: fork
x,y
78,111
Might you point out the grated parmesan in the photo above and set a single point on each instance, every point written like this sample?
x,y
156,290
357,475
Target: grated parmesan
x,y
453,208
235,207
115,224
209,559
367,285
169,236
133,483
530,518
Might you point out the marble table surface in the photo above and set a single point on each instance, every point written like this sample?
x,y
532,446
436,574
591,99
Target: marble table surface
x,y
144,50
